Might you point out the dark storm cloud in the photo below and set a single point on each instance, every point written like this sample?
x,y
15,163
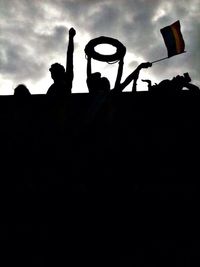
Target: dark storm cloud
x,y
17,22
54,41
26,60
32,31
24,51
22,60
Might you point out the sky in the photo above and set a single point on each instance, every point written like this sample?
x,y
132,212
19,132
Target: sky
x,y
34,35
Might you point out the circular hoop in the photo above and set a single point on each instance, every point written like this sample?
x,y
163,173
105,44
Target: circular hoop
x,y
121,49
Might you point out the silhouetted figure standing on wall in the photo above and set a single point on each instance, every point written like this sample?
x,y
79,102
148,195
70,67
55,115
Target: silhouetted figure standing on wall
x,y
180,82
173,86
63,79
99,86
95,82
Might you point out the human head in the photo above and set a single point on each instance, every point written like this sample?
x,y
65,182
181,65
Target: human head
x,y
57,71
96,83
21,90
92,81
105,84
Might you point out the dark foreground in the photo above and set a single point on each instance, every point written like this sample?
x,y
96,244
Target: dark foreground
x,y
101,181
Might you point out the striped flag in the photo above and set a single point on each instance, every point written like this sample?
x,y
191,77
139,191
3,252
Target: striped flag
x,y
173,39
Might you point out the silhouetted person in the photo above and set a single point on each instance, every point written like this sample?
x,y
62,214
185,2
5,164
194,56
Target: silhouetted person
x,y
180,82
63,79
175,85
21,90
96,83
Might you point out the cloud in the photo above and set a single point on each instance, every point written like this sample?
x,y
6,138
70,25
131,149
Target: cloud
x,y
17,63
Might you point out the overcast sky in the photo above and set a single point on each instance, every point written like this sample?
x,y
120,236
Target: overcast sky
x,y
34,34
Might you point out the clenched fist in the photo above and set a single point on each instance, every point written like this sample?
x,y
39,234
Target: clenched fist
x,y
72,32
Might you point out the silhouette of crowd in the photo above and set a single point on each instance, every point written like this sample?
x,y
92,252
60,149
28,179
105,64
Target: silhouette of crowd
x,y
100,89
63,79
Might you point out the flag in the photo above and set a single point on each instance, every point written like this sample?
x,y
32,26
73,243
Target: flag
x,y
173,39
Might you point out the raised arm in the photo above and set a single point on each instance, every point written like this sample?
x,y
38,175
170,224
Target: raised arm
x,y
69,62
119,73
89,67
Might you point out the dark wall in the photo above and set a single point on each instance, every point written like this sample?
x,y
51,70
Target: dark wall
x,y
140,139
136,157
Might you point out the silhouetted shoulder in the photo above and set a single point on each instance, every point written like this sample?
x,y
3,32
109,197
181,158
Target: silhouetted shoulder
x,y
60,87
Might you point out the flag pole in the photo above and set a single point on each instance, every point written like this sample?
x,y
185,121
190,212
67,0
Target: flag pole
x,y
159,60
166,57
